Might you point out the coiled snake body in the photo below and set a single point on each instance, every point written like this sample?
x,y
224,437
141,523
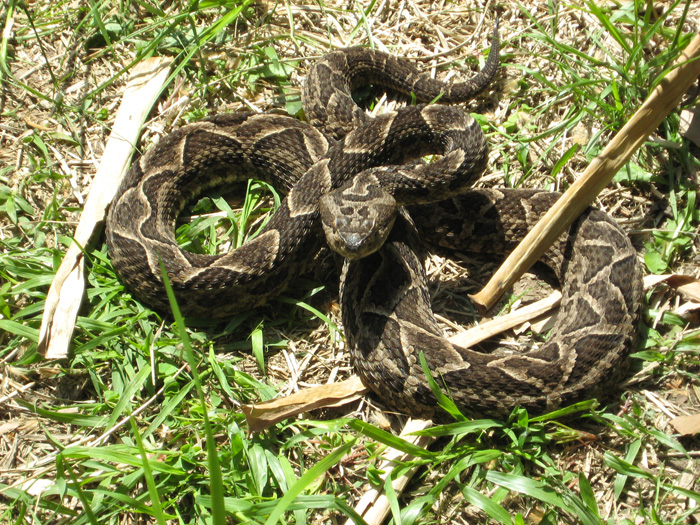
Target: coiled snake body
x,y
384,298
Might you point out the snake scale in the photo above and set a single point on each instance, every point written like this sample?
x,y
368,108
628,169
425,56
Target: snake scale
x,y
353,177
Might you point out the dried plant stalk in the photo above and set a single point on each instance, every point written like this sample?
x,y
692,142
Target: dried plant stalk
x,y
500,324
374,506
68,286
664,98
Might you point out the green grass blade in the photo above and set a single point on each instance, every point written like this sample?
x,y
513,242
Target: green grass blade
x,y
87,508
258,347
304,481
490,507
445,402
22,330
530,487
217,484
134,385
459,428
609,26
587,494
77,419
148,474
389,439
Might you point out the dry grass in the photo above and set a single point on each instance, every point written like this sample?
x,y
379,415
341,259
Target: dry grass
x,y
559,94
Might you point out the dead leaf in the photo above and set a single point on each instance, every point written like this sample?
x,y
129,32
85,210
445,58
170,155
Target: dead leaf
x,y
68,286
9,427
683,284
266,414
687,425
690,125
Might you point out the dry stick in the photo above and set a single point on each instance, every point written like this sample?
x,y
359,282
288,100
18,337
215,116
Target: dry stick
x,y
374,506
500,324
267,413
68,286
664,98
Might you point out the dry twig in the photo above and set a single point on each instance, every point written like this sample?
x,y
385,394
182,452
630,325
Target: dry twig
x,y
66,293
664,98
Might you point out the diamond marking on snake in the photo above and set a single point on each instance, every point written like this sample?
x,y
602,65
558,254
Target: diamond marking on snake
x,y
384,297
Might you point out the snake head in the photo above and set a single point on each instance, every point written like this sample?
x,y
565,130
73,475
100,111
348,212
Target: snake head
x,y
358,216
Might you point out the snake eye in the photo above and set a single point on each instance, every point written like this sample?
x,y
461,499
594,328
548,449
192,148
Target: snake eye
x,y
367,224
341,223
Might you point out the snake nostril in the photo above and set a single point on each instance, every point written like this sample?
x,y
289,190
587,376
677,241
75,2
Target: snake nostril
x,y
353,240
342,223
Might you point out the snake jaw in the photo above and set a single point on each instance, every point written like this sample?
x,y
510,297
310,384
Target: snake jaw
x,y
358,216
351,234
354,244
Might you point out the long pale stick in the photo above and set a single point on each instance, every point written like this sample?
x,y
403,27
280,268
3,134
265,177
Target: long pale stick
x,y
662,100
68,286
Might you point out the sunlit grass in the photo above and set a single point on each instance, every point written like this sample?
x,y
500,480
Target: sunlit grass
x,y
143,420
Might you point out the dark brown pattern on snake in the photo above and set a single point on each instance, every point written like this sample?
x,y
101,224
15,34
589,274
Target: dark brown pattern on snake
x,y
388,319
278,149
386,310
327,94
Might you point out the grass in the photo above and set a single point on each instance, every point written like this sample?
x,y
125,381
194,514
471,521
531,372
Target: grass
x,y
143,424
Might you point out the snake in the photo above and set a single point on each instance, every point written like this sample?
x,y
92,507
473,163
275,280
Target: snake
x,y
360,184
